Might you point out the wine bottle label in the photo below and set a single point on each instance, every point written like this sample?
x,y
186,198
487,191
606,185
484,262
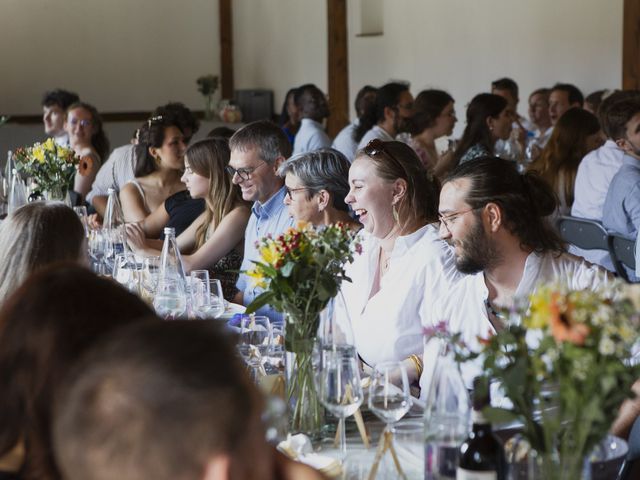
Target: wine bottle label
x,y
464,474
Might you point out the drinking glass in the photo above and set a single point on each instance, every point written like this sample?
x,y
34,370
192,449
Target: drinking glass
x,y
170,300
339,389
255,340
200,293
217,305
150,272
97,248
127,272
389,396
82,215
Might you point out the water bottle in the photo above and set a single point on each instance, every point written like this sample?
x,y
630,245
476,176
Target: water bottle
x,y
113,228
446,416
171,294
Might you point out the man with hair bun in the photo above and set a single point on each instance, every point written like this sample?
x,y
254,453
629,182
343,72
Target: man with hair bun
x,y
495,220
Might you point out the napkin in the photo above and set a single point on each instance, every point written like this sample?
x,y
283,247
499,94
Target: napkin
x,y
298,447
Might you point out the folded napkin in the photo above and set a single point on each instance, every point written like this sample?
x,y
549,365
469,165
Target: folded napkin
x,y
298,447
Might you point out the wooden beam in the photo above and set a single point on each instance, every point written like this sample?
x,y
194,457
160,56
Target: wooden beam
x,y
338,65
631,45
226,48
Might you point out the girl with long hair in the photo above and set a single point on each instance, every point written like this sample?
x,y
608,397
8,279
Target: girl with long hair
x,y
576,133
214,241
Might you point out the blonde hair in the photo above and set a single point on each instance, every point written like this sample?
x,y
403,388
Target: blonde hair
x,y
35,236
208,158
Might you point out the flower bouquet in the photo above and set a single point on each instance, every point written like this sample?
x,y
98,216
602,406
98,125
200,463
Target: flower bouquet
x,y
566,367
50,165
301,271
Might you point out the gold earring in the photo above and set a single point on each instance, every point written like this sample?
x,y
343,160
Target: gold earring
x,y
395,213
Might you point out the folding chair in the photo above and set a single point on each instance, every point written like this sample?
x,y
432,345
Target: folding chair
x,y
622,251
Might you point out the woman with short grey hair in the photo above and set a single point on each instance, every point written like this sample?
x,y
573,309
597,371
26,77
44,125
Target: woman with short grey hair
x,y
316,184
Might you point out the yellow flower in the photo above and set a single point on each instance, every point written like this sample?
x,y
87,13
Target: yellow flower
x,y
257,278
540,311
270,254
38,153
50,145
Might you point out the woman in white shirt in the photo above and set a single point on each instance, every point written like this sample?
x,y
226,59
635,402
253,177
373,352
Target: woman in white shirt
x,y
404,264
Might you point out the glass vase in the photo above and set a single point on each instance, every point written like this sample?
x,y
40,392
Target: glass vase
x,y
209,112
306,413
57,193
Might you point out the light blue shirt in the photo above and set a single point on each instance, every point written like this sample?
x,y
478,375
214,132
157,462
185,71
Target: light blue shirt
x,y
310,137
621,212
273,218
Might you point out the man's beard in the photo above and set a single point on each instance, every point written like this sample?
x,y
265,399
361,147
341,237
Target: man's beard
x,y
400,124
477,252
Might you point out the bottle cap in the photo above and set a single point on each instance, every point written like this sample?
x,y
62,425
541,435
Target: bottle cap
x,y
169,231
111,190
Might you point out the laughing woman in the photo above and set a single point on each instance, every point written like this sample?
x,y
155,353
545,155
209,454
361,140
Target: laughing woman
x,y
404,264
214,241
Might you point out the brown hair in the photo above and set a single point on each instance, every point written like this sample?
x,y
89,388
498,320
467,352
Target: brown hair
x,y
208,158
524,199
99,139
565,150
34,236
419,205
44,328
158,401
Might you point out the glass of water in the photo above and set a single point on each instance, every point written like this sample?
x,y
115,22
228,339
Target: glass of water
x,y
389,394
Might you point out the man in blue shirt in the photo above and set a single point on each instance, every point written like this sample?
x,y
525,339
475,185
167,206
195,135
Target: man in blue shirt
x,y
621,212
257,150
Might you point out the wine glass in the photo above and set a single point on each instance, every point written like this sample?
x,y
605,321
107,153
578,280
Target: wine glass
x,y
389,397
170,300
339,389
255,341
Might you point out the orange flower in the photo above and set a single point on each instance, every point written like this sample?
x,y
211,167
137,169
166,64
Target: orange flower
x,y
85,165
562,328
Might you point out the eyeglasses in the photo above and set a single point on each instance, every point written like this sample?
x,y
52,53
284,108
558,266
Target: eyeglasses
x,y
81,123
447,220
157,118
243,173
376,147
289,191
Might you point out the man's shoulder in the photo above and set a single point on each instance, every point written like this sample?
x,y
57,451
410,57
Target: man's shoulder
x,y
573,270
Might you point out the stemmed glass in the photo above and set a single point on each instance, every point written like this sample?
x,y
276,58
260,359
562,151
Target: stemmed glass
x,y
389,400
200,293
217,306
339,388
389,394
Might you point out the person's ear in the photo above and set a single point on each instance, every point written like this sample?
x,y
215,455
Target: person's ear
x,y
218,468
399,189
324,199
623,144
276,164
490,123
492,214
389,113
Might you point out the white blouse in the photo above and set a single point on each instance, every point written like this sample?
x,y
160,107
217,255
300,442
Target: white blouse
x,y
388,326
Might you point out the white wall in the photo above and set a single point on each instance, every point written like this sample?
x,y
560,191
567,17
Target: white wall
x,y
462,45
128,55
279,44
120,55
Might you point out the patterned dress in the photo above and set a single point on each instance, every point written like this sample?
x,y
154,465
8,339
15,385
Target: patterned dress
x,y
226,270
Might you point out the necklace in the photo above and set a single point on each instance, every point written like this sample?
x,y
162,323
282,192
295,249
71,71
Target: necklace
x,y
500,317
385,261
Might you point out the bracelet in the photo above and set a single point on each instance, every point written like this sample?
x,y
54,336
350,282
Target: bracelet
x,y
417,362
